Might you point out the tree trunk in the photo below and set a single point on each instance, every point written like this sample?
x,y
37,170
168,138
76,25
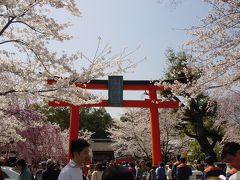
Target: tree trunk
x,y
202,139
206,148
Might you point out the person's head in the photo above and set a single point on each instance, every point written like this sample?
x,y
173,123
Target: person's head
x,y
170,166
162,164
209,160
50,164
142,163
99,167
131,164
117,173
231,154
43,164
178,157
80,151
21,164
183,160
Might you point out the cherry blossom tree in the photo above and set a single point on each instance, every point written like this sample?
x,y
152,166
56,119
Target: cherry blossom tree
x,y
33,137
8,129
41,142
36,135
14,119
132,135
27,29
229,114
215,45
232,132
229,108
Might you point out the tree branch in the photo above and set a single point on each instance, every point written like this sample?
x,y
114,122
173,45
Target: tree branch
x,y
23,91
14,40
7,25
31,27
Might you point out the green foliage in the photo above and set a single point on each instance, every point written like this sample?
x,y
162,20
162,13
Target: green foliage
x,y
57,115
218,151
177,62
96,120
195,152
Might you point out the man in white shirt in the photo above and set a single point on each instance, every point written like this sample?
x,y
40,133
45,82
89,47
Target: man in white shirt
x,y
80,154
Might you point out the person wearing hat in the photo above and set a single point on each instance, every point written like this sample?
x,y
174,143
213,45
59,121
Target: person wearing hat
x,y
183,170
211,170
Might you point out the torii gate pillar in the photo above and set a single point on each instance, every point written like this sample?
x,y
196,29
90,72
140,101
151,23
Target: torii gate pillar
x,y
74,124
155,132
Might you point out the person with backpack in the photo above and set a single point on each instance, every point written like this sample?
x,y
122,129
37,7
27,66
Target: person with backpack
x,y
183,170
174,167
211,170
161,172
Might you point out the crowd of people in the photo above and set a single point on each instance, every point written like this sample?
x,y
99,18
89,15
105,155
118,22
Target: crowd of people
x,y
179,170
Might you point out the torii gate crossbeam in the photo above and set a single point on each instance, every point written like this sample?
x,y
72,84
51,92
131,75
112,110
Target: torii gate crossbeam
x,y
153,103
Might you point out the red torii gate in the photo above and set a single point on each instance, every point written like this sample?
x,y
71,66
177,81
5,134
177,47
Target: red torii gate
x,y
153,103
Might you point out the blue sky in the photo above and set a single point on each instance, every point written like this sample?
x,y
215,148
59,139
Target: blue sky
x,y
130,23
